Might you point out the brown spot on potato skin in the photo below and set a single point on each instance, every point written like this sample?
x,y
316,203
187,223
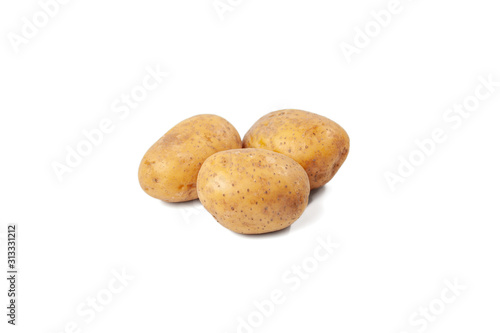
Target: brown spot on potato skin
x,y
317,143
269,203
169,169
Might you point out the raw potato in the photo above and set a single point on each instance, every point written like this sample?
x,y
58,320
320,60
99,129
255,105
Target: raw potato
x,y
170,167
253,191
317,143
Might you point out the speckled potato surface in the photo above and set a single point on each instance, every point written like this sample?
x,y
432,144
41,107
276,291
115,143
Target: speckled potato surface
x,y
317,143
253,191
169,169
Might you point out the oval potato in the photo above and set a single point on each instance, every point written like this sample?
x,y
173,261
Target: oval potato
x,y
317,143
169,169
253,191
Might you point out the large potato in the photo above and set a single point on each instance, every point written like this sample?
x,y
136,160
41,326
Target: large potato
x,y
170,167
253,191
317,143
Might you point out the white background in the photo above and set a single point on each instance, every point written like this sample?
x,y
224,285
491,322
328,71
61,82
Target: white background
x,y
192,275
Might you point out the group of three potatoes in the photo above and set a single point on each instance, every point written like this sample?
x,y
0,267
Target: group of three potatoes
x,y
254,186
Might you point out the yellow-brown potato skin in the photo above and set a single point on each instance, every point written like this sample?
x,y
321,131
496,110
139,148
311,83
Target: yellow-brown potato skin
x,y
169,169
317,143
253,191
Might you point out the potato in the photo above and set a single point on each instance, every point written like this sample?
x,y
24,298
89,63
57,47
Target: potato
x,y
170,167
253,191
317,143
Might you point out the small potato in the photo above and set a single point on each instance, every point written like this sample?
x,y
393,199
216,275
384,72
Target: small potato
x,y
170,167
253,191
317,143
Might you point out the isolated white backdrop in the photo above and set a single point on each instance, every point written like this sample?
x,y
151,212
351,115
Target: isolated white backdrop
x,y
397,248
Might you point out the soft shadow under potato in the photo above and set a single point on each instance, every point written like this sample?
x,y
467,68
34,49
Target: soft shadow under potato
x,y
278,233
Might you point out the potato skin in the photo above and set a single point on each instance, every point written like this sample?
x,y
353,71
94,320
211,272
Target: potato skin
x,y
317,143
169,169
253,191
